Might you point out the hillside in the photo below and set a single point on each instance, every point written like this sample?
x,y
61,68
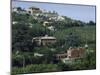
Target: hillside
x,y
37,39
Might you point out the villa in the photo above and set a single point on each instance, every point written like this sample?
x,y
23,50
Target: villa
x,y
44,40
34,10
71,54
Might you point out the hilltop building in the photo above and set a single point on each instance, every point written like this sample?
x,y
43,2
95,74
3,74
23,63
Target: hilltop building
x,y
34,11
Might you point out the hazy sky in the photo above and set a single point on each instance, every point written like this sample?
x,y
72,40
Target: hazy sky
x,y
78,12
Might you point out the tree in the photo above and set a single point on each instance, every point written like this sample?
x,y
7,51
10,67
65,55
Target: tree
x,y
37,30
20,17
19,8
21,40
91,23
64,67
72,40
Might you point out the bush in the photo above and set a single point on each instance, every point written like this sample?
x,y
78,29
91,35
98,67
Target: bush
x,y
36,68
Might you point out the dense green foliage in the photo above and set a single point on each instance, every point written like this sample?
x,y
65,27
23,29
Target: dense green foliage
x,y
35,69
68,33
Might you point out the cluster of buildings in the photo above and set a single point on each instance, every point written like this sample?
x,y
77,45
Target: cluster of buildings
x,y
38,13
47,17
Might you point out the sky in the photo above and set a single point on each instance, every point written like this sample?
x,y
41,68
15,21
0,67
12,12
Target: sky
x,y
84,13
